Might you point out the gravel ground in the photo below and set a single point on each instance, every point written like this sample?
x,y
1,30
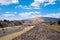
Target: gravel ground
x,y
39,33
9,31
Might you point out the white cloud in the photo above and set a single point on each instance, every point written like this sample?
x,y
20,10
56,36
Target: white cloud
x,y
8,18
7,2
20,6
14,1
29,14
15,12
37,3
27,7
24,14
12,16
49,3
8,14
36,8
54,15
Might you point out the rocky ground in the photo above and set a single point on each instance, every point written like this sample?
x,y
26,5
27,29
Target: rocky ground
x,y
7,31
40,33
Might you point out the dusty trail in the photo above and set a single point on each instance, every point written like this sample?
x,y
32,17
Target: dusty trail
x,y
39,33
15,34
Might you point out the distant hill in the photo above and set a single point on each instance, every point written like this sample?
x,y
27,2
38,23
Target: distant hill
x,y
49,19
43,19
6,23
29,21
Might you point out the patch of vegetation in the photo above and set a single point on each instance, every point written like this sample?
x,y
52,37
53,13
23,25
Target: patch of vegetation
x,y
7,23
14,35
54,26
58,23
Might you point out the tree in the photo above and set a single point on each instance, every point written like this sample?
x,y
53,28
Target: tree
x,y
6,20
1,25
58,23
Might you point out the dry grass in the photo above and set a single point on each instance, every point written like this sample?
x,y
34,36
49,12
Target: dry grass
x,y
54,27
9,27
13,35
6,28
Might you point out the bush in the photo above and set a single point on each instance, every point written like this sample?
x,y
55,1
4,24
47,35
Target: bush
x,y
1,25
58,23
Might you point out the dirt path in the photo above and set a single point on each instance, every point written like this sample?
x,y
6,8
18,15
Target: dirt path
x,y
9,30
13,35
40,33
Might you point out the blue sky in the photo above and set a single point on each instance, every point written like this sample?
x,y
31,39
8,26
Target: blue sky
x,y
25,9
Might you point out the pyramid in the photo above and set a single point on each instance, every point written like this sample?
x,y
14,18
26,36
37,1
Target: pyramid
x,y
37,20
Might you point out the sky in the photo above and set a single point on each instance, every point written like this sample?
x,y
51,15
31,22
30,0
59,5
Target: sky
x,y
26,9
